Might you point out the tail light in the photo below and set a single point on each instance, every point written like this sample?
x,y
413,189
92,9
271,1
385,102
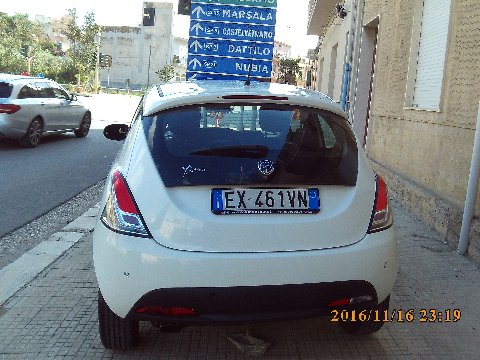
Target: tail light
x,y
381,217
121,214
9,108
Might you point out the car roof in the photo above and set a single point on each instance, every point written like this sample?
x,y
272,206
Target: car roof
x,y
171,95
20,78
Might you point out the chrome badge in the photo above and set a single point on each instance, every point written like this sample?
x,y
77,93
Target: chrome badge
x,y
266,167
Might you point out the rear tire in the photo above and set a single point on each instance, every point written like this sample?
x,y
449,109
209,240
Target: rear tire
x,y
33,136
369,326
115,332
84,127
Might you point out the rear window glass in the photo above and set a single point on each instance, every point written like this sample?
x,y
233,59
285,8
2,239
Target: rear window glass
x,y
251,145
5,90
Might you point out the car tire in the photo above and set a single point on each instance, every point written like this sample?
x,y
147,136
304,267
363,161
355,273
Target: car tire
x,y
84,127
370,325
33,136
115,332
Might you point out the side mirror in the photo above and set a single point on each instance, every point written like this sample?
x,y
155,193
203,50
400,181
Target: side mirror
x,y
116,132
73,97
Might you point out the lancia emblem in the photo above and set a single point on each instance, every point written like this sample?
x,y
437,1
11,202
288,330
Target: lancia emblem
x,y
266,167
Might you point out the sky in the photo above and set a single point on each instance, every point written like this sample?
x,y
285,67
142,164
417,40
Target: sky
x,y
291,27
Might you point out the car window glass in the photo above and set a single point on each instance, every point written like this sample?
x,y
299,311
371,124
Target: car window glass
x,y
44,90
226,142
59,93
5,90
28,91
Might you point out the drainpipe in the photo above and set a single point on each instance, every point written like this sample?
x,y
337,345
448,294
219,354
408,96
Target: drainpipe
x,y
472,189
348,58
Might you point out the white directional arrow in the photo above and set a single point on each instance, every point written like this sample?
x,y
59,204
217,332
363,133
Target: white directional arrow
x,y
195,62
197,45
198,10
197,27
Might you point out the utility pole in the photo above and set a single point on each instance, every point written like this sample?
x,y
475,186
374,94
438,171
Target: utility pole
x,y
97,64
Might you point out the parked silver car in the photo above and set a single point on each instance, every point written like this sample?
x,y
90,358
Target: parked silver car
x,y
31,106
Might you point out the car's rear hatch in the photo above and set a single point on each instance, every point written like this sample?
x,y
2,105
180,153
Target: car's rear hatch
x,y
242,178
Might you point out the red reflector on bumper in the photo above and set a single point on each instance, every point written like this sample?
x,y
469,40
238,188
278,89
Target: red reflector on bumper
x,y
339,302
163,310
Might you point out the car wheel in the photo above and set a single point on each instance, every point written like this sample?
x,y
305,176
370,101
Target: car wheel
x,y
33,135
368,326
115,332
84,127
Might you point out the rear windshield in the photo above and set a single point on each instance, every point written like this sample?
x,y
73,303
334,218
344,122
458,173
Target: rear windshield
x,y
5,90
251,145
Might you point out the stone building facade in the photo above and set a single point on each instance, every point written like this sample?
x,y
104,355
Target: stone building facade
x,y
138,52
415,114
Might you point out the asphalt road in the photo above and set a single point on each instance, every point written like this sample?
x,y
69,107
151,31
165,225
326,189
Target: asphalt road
x,y
34,181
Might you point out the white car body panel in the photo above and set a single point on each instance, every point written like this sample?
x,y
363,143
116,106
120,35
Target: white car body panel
x,y
127,268
180,217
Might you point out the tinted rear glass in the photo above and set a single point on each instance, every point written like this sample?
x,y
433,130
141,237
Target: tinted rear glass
x,y
251,145
5,90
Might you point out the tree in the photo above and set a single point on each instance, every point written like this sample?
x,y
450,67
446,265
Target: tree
x,y
166,73
17,32
289,69
83,45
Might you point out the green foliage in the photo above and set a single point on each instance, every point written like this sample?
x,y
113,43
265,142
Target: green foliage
x,y
17,32
166,73
83,45
289,69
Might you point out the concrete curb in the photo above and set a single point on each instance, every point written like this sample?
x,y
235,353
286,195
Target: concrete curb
x,y
16,275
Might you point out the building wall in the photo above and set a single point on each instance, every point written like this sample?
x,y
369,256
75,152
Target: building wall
x,y
335,35
138,52
430,150
423,155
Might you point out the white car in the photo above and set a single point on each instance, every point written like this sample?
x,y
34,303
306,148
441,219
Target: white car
x,y
234,203
31,107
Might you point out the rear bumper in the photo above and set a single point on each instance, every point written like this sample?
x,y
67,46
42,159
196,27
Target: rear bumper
x,y
133,272
11,127
248,304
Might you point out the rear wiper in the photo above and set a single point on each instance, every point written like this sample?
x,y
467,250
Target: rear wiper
x,y
248,151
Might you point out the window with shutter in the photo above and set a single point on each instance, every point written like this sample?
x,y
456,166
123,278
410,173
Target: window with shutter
x,y
428,54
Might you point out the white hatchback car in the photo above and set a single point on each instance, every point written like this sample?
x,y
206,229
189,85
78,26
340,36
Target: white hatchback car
x,y
237,203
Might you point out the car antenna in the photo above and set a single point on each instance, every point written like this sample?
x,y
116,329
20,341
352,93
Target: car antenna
x,y
248,82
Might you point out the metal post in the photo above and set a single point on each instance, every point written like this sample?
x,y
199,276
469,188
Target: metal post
x,y
148,70
97,64
471,191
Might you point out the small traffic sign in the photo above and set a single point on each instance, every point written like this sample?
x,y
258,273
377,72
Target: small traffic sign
x,y
227,13
232,31
230,66
230,48
257,3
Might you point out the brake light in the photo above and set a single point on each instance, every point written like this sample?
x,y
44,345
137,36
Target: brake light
x,y
9,108
121,214
254,97
381,217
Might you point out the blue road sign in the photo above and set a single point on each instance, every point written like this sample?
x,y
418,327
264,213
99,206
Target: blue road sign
x,y
230,48
232,31
257,3
231,39
229,66
237,14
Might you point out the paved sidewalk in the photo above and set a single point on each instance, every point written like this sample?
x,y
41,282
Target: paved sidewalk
x,y
54,315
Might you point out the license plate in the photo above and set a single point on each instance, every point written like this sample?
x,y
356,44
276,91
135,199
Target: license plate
x,y
265,201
